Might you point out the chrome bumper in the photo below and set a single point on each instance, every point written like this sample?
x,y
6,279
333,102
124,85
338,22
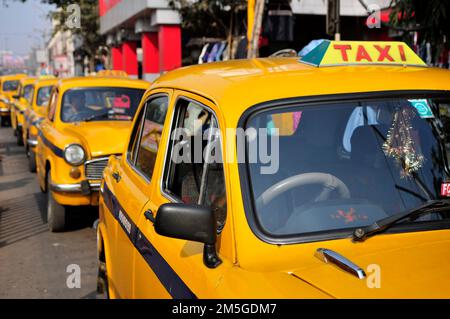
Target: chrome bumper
x,y
4,110
32,143
84,188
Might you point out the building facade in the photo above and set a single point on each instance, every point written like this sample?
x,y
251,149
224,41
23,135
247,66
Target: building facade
x,y
147,26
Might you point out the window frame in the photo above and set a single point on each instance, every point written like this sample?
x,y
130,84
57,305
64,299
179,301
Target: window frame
x,y
55,96
174,123
139,122
287,103
32,92
37,94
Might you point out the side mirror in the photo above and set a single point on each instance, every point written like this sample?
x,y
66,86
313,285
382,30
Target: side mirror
x,y
190,222
16,96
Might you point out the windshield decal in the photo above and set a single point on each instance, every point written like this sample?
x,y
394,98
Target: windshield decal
x,y
350,216
122,102
422,108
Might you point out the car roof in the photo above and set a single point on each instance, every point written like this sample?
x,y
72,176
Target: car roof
x,y
45,82
13,77
236,85
99,81
27,80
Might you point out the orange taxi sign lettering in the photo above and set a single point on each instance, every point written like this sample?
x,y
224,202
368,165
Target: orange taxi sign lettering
x,y
335,53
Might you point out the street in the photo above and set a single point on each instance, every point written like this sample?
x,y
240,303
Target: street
x,y
34,261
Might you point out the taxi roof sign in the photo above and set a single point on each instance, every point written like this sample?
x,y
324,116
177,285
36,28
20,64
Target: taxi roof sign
x,y
340,53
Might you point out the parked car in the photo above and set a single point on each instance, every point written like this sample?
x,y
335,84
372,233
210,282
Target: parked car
x,y
9,85
20,103
88,119
34,114
319,177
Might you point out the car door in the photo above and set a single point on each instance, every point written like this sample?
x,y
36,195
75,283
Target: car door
x,y
173,268
130,184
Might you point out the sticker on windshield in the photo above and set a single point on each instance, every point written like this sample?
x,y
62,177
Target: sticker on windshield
x,y
445,189
122,102
422,108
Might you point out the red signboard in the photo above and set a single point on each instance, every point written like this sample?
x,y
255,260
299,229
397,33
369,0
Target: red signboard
x,y
445,189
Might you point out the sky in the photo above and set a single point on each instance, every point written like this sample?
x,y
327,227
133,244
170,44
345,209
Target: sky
x,y
22,25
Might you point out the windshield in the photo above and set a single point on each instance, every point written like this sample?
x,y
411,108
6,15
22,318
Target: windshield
x,y
346,165
43,95
10,85
100,104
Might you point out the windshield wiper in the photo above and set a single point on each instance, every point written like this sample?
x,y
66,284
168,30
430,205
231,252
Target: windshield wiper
x,y
431,206
97,116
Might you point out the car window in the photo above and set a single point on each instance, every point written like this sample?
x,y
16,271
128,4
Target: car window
x,y
43,95
194,167
150,135
135,136
53,105
28,92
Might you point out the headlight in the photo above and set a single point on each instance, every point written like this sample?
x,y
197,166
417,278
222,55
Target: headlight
x,y
74,155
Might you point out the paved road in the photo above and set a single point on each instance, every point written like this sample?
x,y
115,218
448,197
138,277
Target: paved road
x,y
33,261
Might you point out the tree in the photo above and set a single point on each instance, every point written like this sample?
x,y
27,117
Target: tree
x,y
210,18
89,23
429,17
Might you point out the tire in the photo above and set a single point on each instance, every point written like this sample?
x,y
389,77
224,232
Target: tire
x,y
102,282
31,160
4,121
19,137
56,213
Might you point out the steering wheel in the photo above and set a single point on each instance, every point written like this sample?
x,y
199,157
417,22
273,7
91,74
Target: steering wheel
x,y
329,184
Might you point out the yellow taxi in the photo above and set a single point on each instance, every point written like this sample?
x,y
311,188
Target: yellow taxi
x,y
87,120
9,86
21,102
324,176
34,114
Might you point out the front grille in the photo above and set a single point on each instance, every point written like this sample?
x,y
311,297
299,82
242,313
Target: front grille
x,y
94,169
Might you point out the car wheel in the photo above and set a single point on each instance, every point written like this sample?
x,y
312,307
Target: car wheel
x,y
102,282
31,160
56,213
4,121
19,137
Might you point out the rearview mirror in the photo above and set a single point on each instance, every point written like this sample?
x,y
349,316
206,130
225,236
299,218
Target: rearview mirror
x,y
190,222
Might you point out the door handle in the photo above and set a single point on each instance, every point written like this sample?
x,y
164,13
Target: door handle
x,y
149,215
116,176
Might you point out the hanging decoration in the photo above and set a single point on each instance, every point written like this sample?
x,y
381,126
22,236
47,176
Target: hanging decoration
x,y
400,145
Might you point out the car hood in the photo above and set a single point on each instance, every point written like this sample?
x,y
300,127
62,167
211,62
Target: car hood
x,y
101,138
400,270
